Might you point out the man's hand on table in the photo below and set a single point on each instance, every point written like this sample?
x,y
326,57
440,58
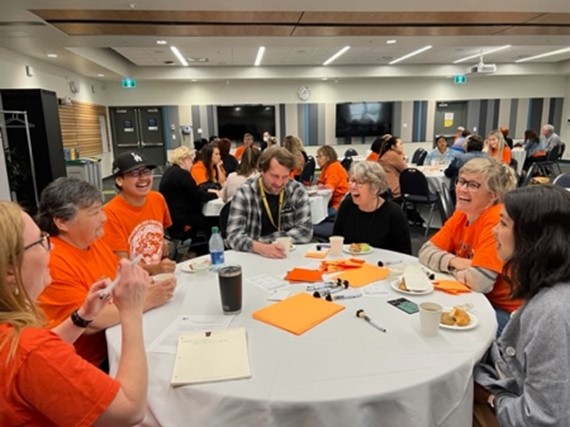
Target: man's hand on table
x,y
269,250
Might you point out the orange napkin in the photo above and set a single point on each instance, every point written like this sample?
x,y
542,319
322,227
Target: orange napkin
x,y
451,286
298,313
316,254
304,275
365,274
330,266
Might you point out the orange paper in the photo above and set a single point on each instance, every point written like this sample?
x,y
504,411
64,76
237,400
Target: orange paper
x,y
331,266
298,313
364,275
304,275
451,286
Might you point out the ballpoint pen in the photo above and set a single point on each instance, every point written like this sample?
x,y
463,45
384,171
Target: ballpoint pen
x,y
115,282
360,313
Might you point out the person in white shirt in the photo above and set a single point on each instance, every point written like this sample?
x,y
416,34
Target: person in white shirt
x,y
246,169
441,155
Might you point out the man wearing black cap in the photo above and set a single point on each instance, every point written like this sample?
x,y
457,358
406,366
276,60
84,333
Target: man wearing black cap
x,y
137,216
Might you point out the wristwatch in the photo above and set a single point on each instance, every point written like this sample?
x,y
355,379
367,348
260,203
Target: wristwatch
x,y
79,321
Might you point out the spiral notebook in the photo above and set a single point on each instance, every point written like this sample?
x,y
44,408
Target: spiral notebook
x,y
211,356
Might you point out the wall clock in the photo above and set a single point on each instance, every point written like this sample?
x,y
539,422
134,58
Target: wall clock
x,y
304,93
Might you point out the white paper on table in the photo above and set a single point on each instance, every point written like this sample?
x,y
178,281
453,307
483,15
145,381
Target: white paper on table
x,y
279,295
167,341
269,283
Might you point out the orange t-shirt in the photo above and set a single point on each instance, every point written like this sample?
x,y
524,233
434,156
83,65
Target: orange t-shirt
x,y
335,177
506,159
47,384
137,229
239,152
477,243
198,172
73,271
373,157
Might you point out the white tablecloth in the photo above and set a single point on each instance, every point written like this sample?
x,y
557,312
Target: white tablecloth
x,y
342,372
213,207
519,155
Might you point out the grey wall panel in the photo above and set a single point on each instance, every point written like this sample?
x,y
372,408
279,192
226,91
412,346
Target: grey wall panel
x,y
534,117
473,114
555,113
313,124
419,121
196,121
513,118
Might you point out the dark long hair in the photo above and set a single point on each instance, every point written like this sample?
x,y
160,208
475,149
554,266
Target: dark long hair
x,y
206,155
388,144
541,216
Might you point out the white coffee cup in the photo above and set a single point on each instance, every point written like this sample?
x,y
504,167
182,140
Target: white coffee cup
x,y
430,316
285,242
336,245
162,277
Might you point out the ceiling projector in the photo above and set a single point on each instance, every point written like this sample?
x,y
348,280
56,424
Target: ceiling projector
x,y
481,68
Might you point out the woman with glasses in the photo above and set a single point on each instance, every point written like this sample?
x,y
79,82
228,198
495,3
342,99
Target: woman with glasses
x,y
524,379
43,381
184,198
366,217
465,246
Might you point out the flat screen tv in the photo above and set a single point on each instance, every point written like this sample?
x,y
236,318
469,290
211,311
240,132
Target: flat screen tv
x,y
234,121
363,119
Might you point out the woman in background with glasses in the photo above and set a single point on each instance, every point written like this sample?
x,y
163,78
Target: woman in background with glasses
x,y
366,217
43,381
465,246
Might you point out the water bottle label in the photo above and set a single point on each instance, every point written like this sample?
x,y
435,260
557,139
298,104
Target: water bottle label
x,y
217,258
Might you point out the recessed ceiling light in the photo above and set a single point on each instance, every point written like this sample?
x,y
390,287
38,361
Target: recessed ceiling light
x,y
544,55
100,75
161,42
52,55
178,55
336,55
259,56
390,41
496,49
409,55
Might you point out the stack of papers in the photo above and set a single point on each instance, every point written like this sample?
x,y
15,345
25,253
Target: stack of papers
x,y
298,314
304,275
451,287
363,275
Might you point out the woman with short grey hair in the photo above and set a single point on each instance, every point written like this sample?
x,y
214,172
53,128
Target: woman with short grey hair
x,y
364,216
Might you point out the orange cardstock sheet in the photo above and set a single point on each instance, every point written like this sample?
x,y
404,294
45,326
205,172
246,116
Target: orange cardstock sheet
x,y
304,275
298,313
451,286
364,275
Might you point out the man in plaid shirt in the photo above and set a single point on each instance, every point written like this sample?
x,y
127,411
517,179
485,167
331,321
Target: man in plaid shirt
x,y
267,207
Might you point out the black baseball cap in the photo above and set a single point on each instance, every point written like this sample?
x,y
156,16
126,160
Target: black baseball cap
x,y
127,162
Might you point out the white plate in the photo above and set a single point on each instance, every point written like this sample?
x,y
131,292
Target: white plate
x,y
472,324
188,266
394,285
346,249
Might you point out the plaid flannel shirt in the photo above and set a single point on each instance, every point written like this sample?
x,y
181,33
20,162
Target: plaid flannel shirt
x,y
244,222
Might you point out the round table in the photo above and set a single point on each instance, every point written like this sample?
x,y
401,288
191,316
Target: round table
x,y
343,372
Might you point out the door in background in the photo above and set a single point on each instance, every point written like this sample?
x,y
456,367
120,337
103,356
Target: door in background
x,y
449,115
139,129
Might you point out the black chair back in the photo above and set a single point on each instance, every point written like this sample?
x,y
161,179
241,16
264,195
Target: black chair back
x,y
224,216
346,163
563,180
419,156
308,173
414,183
562,149
350,152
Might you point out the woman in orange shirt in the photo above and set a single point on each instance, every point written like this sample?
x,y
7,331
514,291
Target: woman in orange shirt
x,y
209,168
497,148
333,175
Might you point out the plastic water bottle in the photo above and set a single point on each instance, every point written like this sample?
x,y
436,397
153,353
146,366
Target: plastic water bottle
x,y
216,246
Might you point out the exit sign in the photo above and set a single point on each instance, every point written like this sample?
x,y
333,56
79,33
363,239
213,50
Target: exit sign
x,y
129,83
460,79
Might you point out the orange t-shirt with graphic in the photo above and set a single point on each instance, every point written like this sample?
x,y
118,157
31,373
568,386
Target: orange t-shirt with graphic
x,y
477,243
73,271
137,230
198,172
335,177
47,384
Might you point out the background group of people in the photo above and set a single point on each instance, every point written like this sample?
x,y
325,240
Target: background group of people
x,y
510,244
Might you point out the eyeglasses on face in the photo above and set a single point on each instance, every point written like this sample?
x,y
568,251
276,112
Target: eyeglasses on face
x,y
139,172
470,185
44,240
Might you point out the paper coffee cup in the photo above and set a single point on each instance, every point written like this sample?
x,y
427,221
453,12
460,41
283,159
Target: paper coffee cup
x,y
336,245
285,242
430,315
162,277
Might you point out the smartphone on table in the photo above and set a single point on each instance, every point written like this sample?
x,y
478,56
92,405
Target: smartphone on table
x,y
405,305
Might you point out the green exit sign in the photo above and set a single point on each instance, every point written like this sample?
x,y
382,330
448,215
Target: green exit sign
x,y
129,83
460,79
